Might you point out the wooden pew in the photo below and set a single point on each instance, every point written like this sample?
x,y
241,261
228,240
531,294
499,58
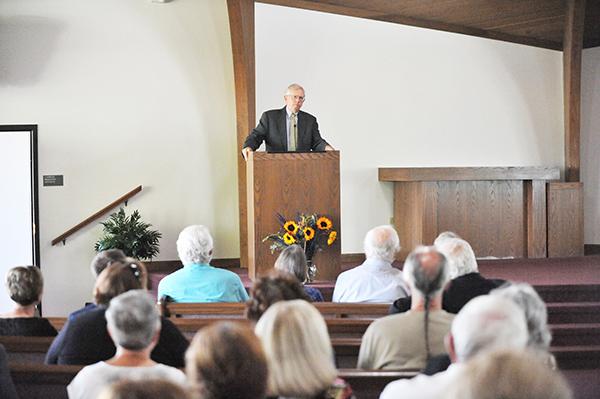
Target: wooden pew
x,y
327,309
40,381
26,349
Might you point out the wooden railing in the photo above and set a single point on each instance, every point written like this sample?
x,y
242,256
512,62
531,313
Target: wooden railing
x,y
123,199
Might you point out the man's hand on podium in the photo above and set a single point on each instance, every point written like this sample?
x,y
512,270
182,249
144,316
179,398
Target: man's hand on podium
x,y
329,148
245,152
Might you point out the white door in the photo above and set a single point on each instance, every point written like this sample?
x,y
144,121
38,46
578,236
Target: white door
x,y
18,204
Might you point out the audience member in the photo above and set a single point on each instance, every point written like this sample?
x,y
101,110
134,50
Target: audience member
x,y
85,340
376,280
226,360
7,388
105,258
407,340
134,324
536,315
485,324
101,261
25,285
144,389
274,287
293,260
198,281
509,375
466,283
299,353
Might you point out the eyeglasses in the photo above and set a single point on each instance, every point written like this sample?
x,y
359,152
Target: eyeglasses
x,y
301,98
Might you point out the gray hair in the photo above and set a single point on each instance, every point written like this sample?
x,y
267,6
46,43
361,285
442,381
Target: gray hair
x,y
534,308
293,86
460,256
428,279
445,235
382,242
133,320
25,284
293,260
488,323
103,259
195,245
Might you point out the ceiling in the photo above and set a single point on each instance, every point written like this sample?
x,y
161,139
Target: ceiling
x,y
539,23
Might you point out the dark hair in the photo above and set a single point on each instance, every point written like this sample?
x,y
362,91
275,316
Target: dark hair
x,y
429,279
128,389
105,258
226,360
274,287
25,284
119,278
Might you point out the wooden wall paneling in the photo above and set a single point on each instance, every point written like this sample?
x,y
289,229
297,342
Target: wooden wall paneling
x,y
241,25
565,219
469,173
535,204
430,212
572,47
408,215
488,214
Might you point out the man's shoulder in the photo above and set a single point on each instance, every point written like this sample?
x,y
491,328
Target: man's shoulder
x,y
274,112
421,386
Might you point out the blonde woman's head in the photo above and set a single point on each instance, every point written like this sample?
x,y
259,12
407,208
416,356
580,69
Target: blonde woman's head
x,y
298,349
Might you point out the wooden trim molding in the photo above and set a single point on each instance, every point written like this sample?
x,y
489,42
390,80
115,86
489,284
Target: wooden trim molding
x,y
241,25
468,173
572,47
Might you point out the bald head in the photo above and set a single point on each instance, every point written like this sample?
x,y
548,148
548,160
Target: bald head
x,y
426,271
382,242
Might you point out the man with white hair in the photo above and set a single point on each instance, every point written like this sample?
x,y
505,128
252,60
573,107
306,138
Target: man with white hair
x,y
198,281
287,128
486,324
465,280
376,280
407,340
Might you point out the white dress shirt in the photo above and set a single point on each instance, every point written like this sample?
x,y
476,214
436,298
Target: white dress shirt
x,y
375,281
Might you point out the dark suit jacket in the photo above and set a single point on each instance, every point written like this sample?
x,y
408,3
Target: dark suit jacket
x,y
272,130
458,292
85,340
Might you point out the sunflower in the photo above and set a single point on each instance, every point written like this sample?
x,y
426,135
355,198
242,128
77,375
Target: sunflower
x,y
288,239
324,223
332,237
291,227
309,233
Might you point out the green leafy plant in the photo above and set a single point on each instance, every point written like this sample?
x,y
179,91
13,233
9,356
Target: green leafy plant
x,y
129,234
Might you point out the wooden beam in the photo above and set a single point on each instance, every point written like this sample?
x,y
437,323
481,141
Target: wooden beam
x,y
572,47
241,25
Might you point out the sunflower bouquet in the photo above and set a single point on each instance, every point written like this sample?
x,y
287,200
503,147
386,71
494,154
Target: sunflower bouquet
x,y
311,231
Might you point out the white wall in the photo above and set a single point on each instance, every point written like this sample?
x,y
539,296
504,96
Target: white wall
x,y
129,92
392,95
125,92
590,143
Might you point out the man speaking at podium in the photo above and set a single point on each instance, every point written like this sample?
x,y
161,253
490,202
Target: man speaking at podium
x,y
287,129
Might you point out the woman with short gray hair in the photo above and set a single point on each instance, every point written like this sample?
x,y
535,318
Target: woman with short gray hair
x,y
134,325
292,260
24,285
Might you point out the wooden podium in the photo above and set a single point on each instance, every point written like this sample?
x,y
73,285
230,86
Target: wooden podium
x,y
288,184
